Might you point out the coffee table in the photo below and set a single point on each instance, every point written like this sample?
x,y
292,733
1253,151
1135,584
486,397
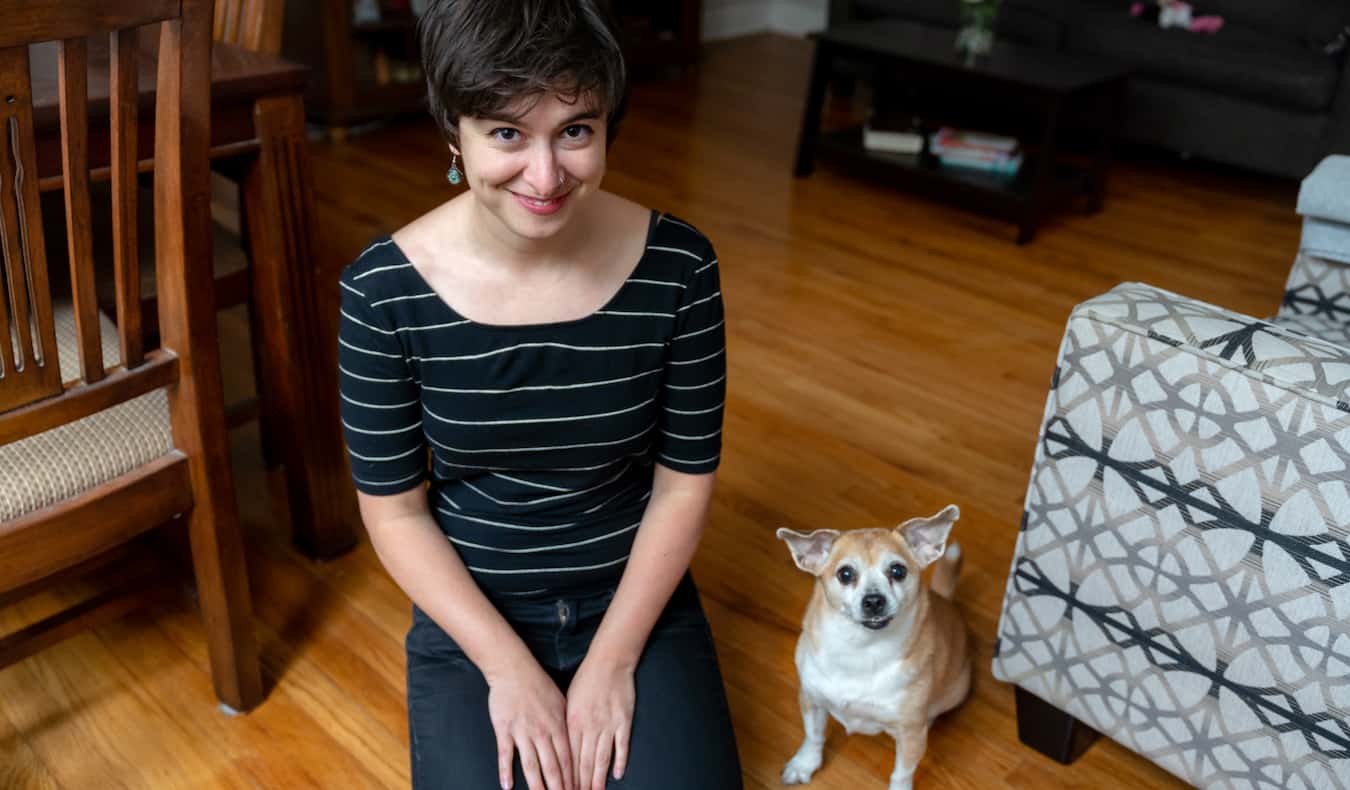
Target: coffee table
x,y
1037,94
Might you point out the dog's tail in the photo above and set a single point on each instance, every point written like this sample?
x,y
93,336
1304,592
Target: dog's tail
x,y
946,571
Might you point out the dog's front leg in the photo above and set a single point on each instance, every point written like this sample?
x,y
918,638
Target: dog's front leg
x,y
911,740
808,758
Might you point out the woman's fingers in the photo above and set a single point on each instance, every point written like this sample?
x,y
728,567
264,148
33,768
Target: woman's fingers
x,y
604,746
574,740
529,764
505,750
564,752
586,763
621,750
548,761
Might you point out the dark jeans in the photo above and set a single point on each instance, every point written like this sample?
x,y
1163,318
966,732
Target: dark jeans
x,y
681,734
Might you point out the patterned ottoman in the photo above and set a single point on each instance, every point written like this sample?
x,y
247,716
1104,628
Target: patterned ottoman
x,y
1182,576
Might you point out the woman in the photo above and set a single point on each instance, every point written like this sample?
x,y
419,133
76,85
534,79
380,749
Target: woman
x,y
558,351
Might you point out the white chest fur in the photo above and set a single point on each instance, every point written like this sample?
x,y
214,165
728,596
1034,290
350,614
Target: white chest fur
x,y
861,681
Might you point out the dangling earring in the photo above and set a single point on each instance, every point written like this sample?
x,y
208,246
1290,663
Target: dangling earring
x,y
454,175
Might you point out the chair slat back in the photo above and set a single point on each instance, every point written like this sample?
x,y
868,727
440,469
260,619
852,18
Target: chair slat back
x,y
30,378
252,24
30,371
74,87
123,98
31,21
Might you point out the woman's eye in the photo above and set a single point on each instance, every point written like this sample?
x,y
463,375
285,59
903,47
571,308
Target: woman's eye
x,y
844,575
506,134
898,571
577,131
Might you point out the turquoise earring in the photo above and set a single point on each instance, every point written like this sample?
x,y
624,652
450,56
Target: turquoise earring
x,y
454,175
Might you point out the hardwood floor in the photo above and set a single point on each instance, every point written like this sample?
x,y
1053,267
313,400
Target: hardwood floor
x,y
887,356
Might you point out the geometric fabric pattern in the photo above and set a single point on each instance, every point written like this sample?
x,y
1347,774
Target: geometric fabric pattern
x,y
57,464
1181,580
1317,287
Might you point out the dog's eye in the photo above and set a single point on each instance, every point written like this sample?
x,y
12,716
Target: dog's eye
x,y
844,575
898,571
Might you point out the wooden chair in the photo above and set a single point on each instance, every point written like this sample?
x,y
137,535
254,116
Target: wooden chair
x,y
251,24
142,441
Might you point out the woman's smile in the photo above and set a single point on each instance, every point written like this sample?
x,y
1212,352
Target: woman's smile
x,y
541,207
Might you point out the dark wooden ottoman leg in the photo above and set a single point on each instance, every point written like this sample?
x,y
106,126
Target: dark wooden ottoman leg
x,y
815,98
1049,730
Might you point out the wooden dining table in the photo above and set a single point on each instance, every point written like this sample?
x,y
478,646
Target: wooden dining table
x,y
257,136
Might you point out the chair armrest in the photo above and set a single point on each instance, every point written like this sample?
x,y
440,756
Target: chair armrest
x,y
1318,285
1185,524
1270,353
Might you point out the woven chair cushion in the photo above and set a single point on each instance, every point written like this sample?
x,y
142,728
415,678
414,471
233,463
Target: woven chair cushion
x,y
44,469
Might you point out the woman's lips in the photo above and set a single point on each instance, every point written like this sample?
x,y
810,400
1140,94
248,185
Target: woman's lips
x,y
541,207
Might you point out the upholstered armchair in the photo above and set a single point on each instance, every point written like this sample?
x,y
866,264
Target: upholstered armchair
x,y
1181,581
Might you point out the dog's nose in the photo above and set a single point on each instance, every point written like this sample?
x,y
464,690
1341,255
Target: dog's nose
x,y
873,603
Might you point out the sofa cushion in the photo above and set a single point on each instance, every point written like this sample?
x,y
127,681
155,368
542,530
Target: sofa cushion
x,y
1239,61
1024,21
1312,22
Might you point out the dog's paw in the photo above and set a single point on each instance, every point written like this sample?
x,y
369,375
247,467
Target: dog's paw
x,y
800,768
901,783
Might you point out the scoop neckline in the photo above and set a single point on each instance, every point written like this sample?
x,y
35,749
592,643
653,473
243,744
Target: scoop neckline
x,y
652,221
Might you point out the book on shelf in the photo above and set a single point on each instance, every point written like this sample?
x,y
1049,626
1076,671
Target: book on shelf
x,y
1006,166
891,134
976,151
950,138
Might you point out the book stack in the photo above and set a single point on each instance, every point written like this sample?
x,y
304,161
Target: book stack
x,y
892,134
989,153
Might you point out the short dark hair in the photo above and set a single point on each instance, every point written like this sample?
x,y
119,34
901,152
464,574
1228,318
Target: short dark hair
x,y
479,56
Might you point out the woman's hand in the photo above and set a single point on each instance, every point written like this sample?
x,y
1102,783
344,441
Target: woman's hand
x,y
600,719
529,715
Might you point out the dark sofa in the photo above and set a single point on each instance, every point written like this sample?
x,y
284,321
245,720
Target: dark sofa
x,y
1263,93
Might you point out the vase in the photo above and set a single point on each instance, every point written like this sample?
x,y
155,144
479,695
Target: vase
x,y
976,36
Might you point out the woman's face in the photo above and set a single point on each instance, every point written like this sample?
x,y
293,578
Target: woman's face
x,y
533,167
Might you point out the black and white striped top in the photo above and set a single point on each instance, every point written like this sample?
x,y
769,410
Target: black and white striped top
x,y
542,437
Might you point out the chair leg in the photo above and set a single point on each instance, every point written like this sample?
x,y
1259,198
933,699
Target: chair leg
x,y
1049,730
226,610
267,421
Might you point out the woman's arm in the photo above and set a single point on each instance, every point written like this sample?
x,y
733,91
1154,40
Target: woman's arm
x,y
422,562
526,708
662,550
601,698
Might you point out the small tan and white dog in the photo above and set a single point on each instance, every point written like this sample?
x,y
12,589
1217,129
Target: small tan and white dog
x,y
879,650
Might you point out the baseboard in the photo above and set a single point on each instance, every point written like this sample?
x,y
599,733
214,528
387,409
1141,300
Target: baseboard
x,y
798,17
730,18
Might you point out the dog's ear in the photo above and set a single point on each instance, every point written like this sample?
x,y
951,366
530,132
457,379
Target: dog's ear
x,y
809,551
927,537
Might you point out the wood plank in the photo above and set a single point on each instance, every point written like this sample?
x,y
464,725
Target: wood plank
x,y
97,710
22,767
175,683
24,249
81,400
125,129
92,522
31,20
79,228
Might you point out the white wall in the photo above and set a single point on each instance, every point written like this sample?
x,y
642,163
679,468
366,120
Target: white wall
x,y
727,18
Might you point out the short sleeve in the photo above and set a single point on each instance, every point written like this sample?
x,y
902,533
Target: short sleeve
x,y
696,375
381,404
